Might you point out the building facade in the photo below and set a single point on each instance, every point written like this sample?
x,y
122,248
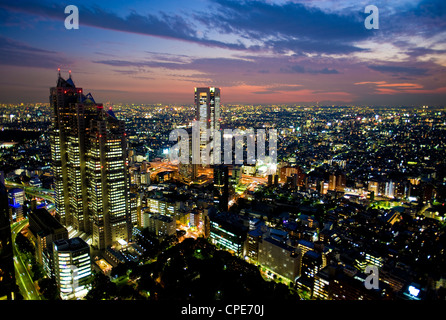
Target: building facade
x,y
72,267
45,229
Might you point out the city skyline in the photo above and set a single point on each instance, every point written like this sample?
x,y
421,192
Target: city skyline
x,y
300,52
217,151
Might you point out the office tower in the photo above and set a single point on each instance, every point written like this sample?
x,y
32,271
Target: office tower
x,y
108,187
72,267
63,97
89,163
7,276
16,199
221,185
207,113
45,229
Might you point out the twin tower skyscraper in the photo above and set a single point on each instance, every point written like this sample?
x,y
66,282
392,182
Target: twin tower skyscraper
x,y
89,163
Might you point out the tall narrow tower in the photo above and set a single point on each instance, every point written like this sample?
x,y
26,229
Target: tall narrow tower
x,y
207,113
63,97
108,187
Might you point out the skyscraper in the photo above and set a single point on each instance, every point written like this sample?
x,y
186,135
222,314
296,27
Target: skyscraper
x,y
108,187
207,107
89,162
207,113
63,97
221,185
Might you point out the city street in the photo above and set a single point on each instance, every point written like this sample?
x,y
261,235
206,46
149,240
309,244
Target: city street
x,y
23,278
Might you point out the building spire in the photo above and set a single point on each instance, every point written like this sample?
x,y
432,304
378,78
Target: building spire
x,y
69,74
58,70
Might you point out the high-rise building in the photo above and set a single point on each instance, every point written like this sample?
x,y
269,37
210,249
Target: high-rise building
x,y
107,174
207,114
89,163
72,267
7,275
63,97
221,185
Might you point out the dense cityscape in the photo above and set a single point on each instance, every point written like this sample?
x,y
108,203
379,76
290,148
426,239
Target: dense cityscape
x,y
354,188
222,158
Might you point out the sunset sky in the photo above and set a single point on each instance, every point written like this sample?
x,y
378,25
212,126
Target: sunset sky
x,y
302,52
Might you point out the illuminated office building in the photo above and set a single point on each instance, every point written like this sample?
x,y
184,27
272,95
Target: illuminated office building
x,y
342,283
159,225
311,264
228,233
72,267
108,188
16,199
163,206
207,113
89,163
221,186
44,230
280,258
7,275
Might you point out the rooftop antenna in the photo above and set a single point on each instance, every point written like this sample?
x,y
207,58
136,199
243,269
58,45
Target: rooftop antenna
x,y
58,70
69,72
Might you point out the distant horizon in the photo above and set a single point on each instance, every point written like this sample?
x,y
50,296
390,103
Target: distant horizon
x,y
229,104
298,104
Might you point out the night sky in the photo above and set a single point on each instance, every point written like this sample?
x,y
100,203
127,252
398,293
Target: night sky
x,y
302,52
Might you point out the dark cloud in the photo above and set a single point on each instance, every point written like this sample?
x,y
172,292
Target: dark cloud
x,y
16,53
290,26
160,25
200,64
400,70
301,69
279,28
